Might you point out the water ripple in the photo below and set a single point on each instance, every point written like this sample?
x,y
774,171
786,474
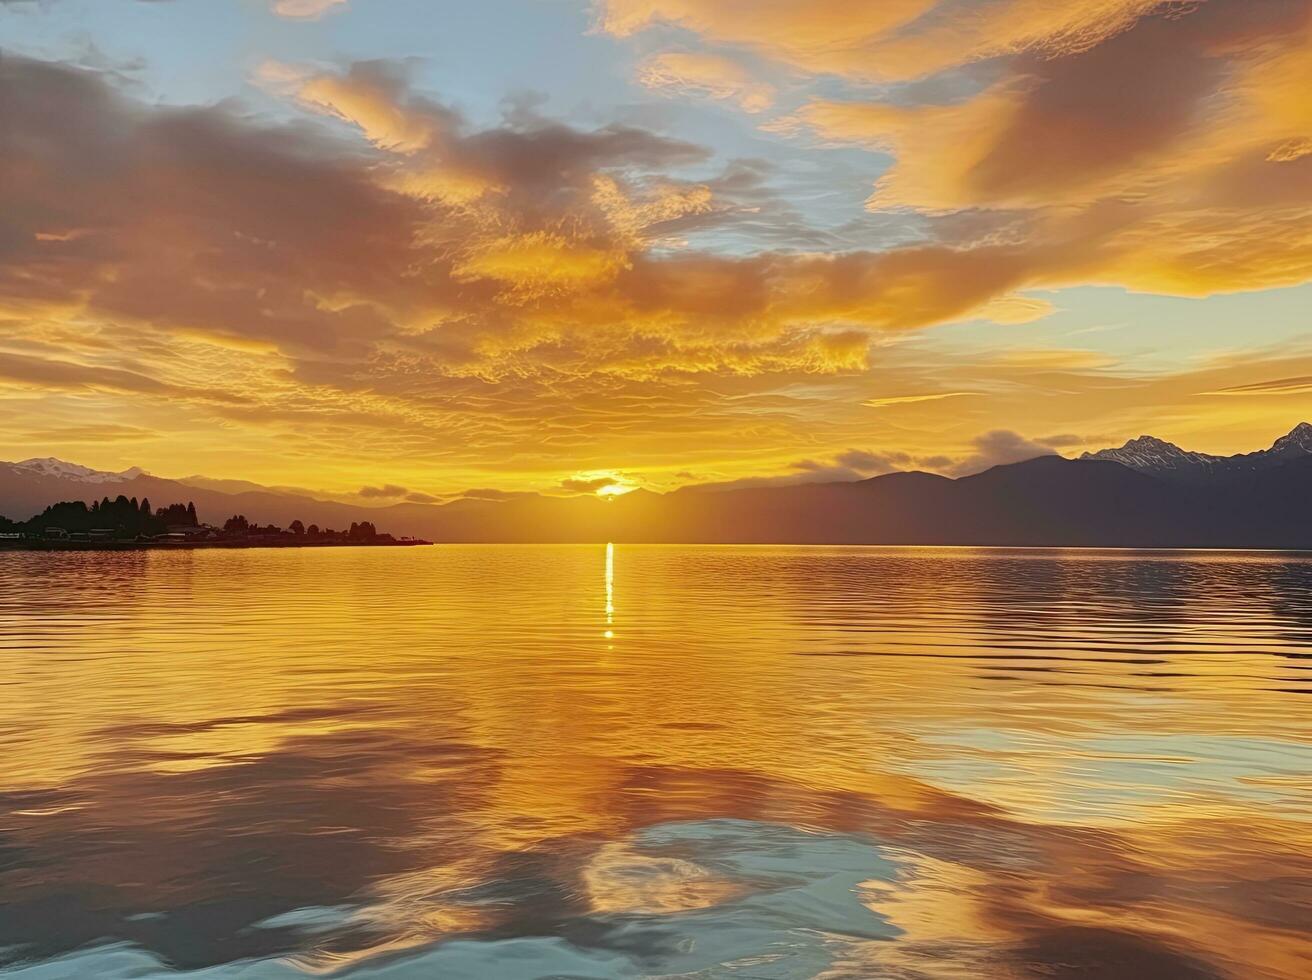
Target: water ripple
x,y
494,761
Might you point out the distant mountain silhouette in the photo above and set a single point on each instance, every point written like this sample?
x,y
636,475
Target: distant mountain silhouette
x,y
1147,494
1044,501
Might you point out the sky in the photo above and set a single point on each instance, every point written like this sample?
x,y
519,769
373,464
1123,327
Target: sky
x,y
561,245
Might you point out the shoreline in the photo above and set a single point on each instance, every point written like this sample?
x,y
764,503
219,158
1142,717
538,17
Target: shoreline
x,y
195,545
1119,550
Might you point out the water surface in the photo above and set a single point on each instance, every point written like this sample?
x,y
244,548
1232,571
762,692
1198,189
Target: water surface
x,y
637,761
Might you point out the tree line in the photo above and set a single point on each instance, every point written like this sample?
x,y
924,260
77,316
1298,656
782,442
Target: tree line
x,y
362,531
127,517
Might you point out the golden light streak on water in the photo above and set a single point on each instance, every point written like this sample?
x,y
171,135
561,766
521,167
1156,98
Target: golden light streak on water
x,y
610,590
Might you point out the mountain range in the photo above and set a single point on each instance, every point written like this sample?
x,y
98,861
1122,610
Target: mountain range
x,y
1147,493
1157,457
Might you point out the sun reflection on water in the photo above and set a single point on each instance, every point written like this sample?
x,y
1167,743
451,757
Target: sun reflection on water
x,y
610,590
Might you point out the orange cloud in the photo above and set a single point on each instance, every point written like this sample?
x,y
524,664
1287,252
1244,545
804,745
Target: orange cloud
x,y
537,265
893,39
1157,146
385,276
367,98
582,268
825,32
313,298
1165,158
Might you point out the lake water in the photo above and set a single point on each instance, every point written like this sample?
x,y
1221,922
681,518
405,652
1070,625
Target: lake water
x,y
755,762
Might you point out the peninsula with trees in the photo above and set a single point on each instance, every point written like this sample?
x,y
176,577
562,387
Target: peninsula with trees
x,y
128,523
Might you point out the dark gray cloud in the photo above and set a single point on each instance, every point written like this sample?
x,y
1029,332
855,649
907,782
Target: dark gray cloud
x,y
995,448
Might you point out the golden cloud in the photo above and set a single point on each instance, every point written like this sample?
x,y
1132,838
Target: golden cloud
x,y
538,265
370,104
299,282
889,40
385,265
886,400
1167,157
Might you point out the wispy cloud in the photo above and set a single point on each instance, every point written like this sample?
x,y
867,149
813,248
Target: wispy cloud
x,y
1277,386
305,9
885,401
706,75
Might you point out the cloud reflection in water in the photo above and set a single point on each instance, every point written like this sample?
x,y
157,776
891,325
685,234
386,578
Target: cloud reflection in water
x,y
258,764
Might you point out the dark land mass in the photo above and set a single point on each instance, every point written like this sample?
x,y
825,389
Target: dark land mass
x,y
47,544
125,524
1147,499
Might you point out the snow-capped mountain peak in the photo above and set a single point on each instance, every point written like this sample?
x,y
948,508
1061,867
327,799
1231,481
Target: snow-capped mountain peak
x,y
1151,453
64,470
1156,456
1297,442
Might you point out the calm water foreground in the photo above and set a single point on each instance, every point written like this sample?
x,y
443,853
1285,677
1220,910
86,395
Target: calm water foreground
x,y
522,762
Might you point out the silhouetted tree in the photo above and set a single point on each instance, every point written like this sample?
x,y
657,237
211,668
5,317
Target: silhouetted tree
x,y
191,514
297,528
145,506
364,531
175,515
121,516
236,524
312,530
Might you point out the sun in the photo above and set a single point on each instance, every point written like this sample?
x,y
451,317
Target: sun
x,y
615,489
